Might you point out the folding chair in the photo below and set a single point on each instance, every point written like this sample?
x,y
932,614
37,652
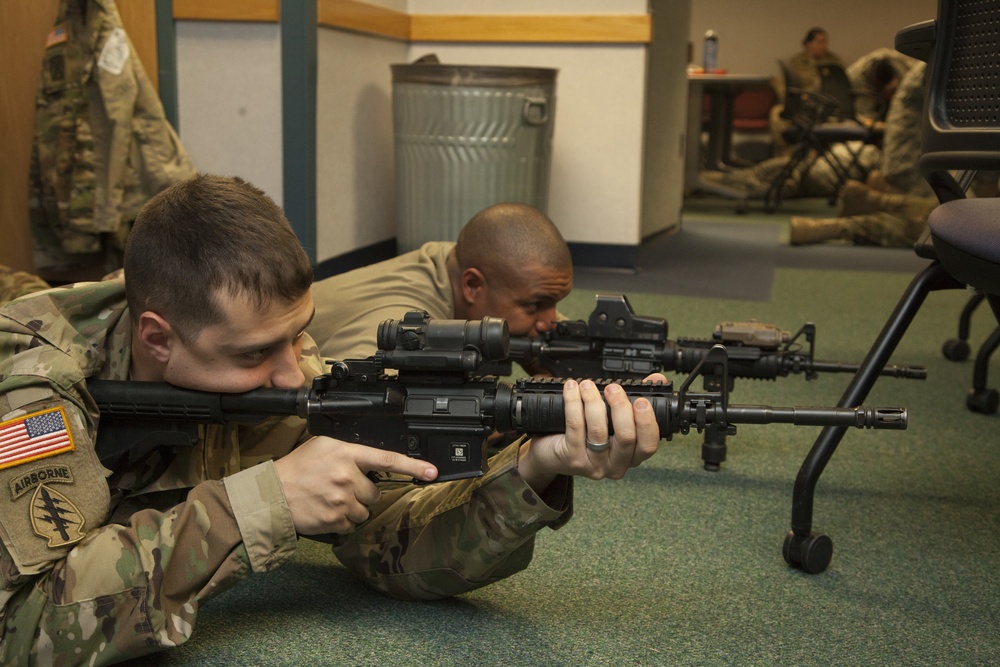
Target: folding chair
x,y
961,130
819,121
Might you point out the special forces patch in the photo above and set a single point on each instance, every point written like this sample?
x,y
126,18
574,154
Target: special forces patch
x,y
55,518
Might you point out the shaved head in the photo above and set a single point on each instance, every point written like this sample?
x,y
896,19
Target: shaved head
x,y
502,238
510,261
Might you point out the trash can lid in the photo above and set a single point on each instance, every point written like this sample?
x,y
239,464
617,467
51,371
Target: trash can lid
x,y
472,75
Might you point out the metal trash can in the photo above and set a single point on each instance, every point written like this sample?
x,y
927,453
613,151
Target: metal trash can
x,y
466,138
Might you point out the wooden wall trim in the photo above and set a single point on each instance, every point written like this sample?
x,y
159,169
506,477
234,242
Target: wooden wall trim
x,y
268,11
569,28
364,17
372,19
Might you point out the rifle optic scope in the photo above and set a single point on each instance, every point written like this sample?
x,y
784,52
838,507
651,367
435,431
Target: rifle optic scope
x,y
419,343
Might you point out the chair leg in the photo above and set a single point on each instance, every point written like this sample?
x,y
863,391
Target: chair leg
x,y
981,398
776,192
812,551
957,349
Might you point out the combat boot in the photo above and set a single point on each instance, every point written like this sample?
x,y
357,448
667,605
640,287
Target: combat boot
x,y
813,230
858,199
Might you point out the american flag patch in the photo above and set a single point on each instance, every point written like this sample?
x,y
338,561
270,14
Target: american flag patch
x,y
56,36
35,436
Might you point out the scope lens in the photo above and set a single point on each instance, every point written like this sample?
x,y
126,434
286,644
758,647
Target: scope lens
x,y
489,336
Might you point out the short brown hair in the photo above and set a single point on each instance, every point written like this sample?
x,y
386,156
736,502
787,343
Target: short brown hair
x,y
208,234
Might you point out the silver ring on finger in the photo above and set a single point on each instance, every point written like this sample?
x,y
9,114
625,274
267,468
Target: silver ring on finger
x,y
598,446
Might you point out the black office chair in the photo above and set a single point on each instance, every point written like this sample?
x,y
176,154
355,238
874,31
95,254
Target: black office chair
x,y
981,397
818,122
961,131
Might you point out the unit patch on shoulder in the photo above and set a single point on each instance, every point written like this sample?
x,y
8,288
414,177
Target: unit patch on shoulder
x,y
34,436
55,518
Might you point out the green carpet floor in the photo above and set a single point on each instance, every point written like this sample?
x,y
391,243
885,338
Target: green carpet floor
x,y
678,566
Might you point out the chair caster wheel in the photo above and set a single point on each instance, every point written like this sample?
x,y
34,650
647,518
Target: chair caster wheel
x,y
955,349
985,401
810,554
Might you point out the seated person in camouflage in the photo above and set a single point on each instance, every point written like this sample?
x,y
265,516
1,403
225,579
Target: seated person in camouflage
x,y
15,283
900,150
510,261
804,66
104,561
891,209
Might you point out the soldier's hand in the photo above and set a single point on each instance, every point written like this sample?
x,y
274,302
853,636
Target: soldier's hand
x,y
325,484
636,436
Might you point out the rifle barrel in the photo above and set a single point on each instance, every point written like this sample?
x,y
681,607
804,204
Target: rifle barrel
x,y
542,412
891,370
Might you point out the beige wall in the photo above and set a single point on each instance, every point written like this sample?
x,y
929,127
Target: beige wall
x,y
596,172
229,99
354,158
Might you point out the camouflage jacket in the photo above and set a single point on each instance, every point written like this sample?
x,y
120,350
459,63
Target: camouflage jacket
x,y
98,564
903,141
15,283
868,104
102,144
805,70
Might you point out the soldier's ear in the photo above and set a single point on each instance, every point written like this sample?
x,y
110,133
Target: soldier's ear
x,y
473,284
156,335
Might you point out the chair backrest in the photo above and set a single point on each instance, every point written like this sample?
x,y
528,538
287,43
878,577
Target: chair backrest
x,y
752,108
961,126
836,84
795,104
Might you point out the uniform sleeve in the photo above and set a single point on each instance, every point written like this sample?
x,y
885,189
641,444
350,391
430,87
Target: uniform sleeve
x,y
128,590
435,541
78,588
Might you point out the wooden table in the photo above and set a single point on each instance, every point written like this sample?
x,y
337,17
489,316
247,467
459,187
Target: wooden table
x,y
721,90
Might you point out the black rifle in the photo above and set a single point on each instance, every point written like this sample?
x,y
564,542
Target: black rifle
x,y
617,344
435,408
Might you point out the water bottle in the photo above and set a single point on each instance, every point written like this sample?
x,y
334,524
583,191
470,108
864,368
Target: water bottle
x,y
711,52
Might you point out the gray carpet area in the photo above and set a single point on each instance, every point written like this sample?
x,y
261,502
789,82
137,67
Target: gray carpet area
x,y
742,267
718,253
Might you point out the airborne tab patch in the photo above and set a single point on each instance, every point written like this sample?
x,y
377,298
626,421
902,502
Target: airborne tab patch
x,y
34,436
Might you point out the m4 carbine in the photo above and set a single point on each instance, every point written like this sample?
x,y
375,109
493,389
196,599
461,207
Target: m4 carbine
x,y
435,407
617,344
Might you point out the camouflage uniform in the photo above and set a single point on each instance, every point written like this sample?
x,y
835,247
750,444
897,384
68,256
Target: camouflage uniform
x,y
868,101
350,306
18,283
897,162
893,214
101,564
805,69
811,179
102,144
902,145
